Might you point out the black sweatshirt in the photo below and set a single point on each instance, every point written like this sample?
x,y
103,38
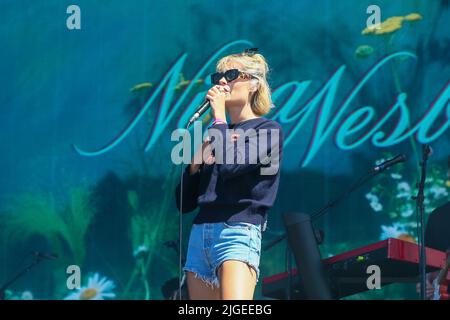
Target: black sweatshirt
x,y
240,190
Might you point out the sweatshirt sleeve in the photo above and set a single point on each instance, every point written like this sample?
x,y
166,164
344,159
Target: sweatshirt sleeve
x,y
190,191
261,149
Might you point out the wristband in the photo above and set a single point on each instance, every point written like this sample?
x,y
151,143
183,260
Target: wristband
x,y
218,121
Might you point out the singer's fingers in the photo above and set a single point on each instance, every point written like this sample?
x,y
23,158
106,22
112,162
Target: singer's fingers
x,y
216,89
221,88
213,91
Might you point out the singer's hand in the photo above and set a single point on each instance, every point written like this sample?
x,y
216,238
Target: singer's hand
x,y
203,154
217,96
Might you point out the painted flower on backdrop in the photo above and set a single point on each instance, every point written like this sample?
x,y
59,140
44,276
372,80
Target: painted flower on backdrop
x,y
403,190
392,195
406,210
438,192
97,288
393,231
25,295
374,202
396,176
391,24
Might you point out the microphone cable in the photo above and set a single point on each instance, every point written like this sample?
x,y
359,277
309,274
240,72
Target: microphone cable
x,y
202,109
180,223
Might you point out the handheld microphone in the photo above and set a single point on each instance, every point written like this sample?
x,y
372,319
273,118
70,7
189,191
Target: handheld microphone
x,y
389,163
48,256
205,106
201,110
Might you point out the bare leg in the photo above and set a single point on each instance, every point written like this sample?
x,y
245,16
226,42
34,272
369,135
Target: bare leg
x,y
237,280
199,290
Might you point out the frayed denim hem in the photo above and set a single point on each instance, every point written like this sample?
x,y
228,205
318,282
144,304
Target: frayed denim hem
x,y
208,281
248,263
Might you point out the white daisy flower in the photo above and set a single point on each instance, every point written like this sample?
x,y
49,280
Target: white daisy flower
x,y
374,202
96,289
407,212
403,187
438,192
392,231
27,295
376,206
404,190
396,176
371,197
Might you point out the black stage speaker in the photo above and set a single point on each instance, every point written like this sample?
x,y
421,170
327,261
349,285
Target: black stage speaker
x,y
303,243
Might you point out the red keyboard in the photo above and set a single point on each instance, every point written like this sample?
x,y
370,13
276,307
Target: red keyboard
x,y
347,272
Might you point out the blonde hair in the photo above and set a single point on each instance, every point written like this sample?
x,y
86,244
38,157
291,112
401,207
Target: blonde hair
x,y
255,65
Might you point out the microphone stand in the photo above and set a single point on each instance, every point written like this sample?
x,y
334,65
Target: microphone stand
x,y
289,270
317,214
426,150
37,260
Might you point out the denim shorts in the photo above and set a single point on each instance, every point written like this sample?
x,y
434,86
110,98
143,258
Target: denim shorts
x,y
211,244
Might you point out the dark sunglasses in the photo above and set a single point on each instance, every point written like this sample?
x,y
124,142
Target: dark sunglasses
x,y
229,75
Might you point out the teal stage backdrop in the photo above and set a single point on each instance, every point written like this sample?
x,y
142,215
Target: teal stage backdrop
x,y
91,93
